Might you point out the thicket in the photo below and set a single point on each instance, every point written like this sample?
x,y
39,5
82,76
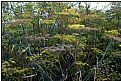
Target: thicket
x,y
60,41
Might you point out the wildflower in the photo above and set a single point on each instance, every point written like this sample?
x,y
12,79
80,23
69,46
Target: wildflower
x,y
113,32
70,11
64,13
119,45
81,27
48,22
80,63
6,63
76,26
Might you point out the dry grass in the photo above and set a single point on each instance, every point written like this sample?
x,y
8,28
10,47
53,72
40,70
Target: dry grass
x,y
112,37
35,37
88,29
17,22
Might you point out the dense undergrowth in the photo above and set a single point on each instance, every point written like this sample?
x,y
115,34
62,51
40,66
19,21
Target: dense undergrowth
x,y
56,41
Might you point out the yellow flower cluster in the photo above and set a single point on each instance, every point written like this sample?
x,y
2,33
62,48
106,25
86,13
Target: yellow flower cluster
x,y
76,26
70,11
16,70
113,32
119,45
67,38
80,63
74,20
25,15
34,56
67,13
77,19
48,22
64,13
6,63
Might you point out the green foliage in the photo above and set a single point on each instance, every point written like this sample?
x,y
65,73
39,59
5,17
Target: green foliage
x,y
60,41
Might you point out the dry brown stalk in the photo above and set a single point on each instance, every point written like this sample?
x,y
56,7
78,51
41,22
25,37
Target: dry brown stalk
x,y
35,37
88,29
17,22
112,37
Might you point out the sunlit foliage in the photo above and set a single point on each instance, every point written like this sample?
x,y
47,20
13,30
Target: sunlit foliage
x,y
60,41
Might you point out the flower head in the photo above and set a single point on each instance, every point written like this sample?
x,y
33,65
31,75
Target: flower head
x,y
76,26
